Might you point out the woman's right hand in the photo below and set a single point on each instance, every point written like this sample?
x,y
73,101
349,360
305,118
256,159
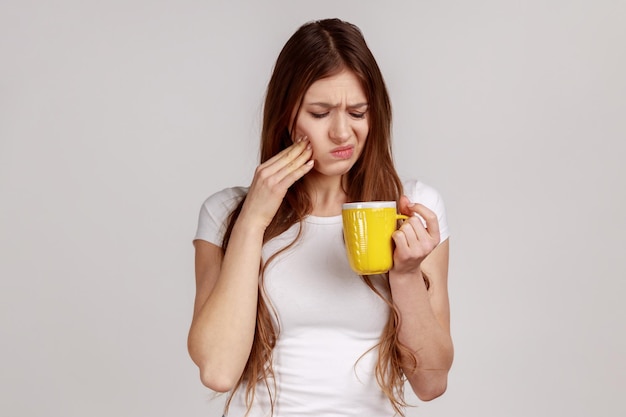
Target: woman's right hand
x,y
273,178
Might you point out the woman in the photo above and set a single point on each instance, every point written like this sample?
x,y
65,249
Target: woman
x,y
280,320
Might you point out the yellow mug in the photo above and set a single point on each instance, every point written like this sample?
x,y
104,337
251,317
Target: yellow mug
x,y
367,230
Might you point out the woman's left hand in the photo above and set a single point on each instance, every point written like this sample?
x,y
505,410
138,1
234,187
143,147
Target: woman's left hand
x,y
413,240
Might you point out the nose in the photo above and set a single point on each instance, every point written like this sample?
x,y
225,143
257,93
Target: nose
x,y
340,129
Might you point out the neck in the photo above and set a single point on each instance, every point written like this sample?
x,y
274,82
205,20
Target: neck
x,y
327,194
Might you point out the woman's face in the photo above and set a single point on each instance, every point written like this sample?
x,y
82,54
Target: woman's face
x,y
334,117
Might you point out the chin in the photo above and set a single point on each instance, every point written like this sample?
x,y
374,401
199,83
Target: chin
x,y
336,169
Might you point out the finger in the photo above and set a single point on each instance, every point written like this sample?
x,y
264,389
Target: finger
x,y
415,225
288,153
417,234
283,159
297,173
400,240
429,217
296,167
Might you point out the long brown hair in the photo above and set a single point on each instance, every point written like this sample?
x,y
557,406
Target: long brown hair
x,y
317,50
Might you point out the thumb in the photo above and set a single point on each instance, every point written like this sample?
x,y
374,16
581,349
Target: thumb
x,y
405,206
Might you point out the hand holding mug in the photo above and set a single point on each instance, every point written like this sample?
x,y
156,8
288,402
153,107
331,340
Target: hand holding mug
x,y
416,238
367,230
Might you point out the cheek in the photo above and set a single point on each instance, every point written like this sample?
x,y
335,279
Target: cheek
x,y
363,132
302,129
362,140
313,133
314,149
362,136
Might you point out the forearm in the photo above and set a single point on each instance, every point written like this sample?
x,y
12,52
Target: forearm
x,y
426,336
222,332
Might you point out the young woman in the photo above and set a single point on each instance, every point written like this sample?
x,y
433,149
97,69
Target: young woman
x,y
280,320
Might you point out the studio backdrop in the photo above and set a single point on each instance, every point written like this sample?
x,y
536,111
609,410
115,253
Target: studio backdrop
x,y
118,118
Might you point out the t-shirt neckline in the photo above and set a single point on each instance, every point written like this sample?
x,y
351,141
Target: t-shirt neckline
x,y
323,220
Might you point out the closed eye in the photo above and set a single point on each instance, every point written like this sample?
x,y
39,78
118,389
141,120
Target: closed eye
x,y
319,115
358,115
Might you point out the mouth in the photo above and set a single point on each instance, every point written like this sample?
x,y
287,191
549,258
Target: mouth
x,y
343,152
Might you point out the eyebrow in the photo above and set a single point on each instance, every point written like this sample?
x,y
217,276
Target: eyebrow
x,y
330,106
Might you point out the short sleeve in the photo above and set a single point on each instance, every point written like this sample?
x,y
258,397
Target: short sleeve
x,y
418,192
214,214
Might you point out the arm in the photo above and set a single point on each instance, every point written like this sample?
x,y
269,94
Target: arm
x,y
222,330
424,313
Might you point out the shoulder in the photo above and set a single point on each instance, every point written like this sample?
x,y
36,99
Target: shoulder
x,y
419,192
226,199
214,214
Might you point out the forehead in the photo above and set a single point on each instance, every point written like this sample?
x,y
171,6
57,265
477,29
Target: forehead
x,y
344,86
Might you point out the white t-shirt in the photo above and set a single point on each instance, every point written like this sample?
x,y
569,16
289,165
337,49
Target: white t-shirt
x,y
329,319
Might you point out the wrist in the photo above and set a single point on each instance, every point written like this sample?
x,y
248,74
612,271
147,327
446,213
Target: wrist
x,y
405,279
249,227
405,274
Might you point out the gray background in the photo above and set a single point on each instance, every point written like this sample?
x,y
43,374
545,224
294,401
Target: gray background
x,y
118,118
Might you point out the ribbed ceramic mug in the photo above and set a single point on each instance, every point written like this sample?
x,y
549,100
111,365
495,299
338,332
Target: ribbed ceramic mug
x,y
367,230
